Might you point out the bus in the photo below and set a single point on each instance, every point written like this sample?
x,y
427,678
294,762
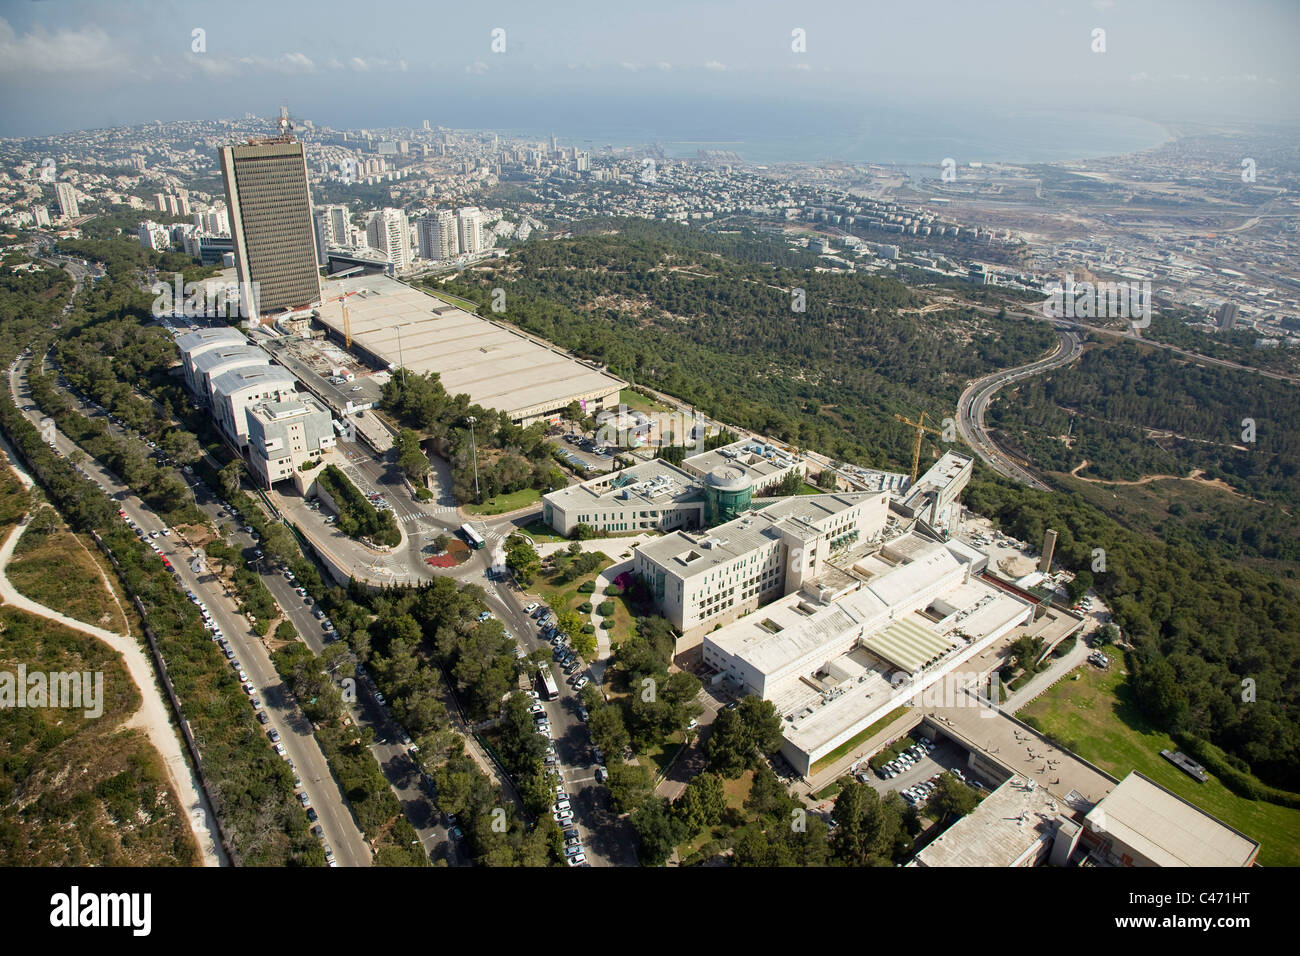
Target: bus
x,y
472,537
549,691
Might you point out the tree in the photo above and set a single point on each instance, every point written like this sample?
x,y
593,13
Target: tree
x,y
658,831
229,477
522,559
608,731
762,723
411,458
1080,586
630,786
952,797
701,805
569,622
584,644
440,543
767,797
573,411
728,746
866,827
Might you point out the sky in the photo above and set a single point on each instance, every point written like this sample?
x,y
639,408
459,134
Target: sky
x,y
69,65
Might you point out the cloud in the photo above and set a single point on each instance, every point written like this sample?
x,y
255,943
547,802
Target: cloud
x,y
630,67
715,66
665,66
88,50
359,65
296,63
478,66
802,66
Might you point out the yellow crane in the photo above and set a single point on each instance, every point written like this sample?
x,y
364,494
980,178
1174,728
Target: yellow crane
x,y
347,321
921,428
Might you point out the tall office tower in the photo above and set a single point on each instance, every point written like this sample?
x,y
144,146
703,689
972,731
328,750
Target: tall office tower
x,y
42,216
426,124
270,212
469,229
1227,316
555,147
386,230
583,162
437,233
67,197
160,201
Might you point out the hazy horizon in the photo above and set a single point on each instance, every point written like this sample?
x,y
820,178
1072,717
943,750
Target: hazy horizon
x,y
80,65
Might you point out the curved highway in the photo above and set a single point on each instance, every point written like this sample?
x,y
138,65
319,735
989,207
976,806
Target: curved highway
x,y
975,399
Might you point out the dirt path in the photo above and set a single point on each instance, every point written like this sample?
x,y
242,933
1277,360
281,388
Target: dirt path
x,y
153,716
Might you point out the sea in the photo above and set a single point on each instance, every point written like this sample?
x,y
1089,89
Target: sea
x,y
770,133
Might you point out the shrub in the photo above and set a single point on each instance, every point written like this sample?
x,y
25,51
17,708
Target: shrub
x,y
587,587
613,590
605,609
607,624
588,629
585,607
423,494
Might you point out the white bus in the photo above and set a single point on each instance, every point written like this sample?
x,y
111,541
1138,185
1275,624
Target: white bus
x,y
472,537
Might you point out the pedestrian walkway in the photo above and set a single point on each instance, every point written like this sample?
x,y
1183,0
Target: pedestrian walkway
x,y
153,717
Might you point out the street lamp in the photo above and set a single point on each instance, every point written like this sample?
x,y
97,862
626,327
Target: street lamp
x,y
474,445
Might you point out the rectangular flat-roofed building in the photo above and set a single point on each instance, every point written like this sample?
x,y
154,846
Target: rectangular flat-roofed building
x,y
497,366
842,651
1140,823
284,435
654,496
702,579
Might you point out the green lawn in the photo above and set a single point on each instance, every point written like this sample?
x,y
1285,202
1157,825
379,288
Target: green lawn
x,y
637,402
458,302
541,532
807,489
503,503
565,596
858,738
1097,718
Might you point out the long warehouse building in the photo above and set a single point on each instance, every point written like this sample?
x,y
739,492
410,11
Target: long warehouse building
x,y
497,366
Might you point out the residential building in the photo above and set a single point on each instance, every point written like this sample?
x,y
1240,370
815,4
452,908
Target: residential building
x,y
67,198
469,229
386,231
438,238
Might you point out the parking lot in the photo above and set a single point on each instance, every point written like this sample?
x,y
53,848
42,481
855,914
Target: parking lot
x,y
942,757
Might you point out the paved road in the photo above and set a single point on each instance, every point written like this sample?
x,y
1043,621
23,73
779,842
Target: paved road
x,y
295,730
975,399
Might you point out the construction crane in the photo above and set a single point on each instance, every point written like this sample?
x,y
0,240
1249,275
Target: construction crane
x,y
921,428
347,321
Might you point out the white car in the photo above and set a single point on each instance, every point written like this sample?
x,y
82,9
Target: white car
x,y
578,860
530,608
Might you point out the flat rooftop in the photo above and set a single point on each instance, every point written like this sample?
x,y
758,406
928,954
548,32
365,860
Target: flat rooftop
x,y
754,459
1166,829
653,484
1000,831
498,367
